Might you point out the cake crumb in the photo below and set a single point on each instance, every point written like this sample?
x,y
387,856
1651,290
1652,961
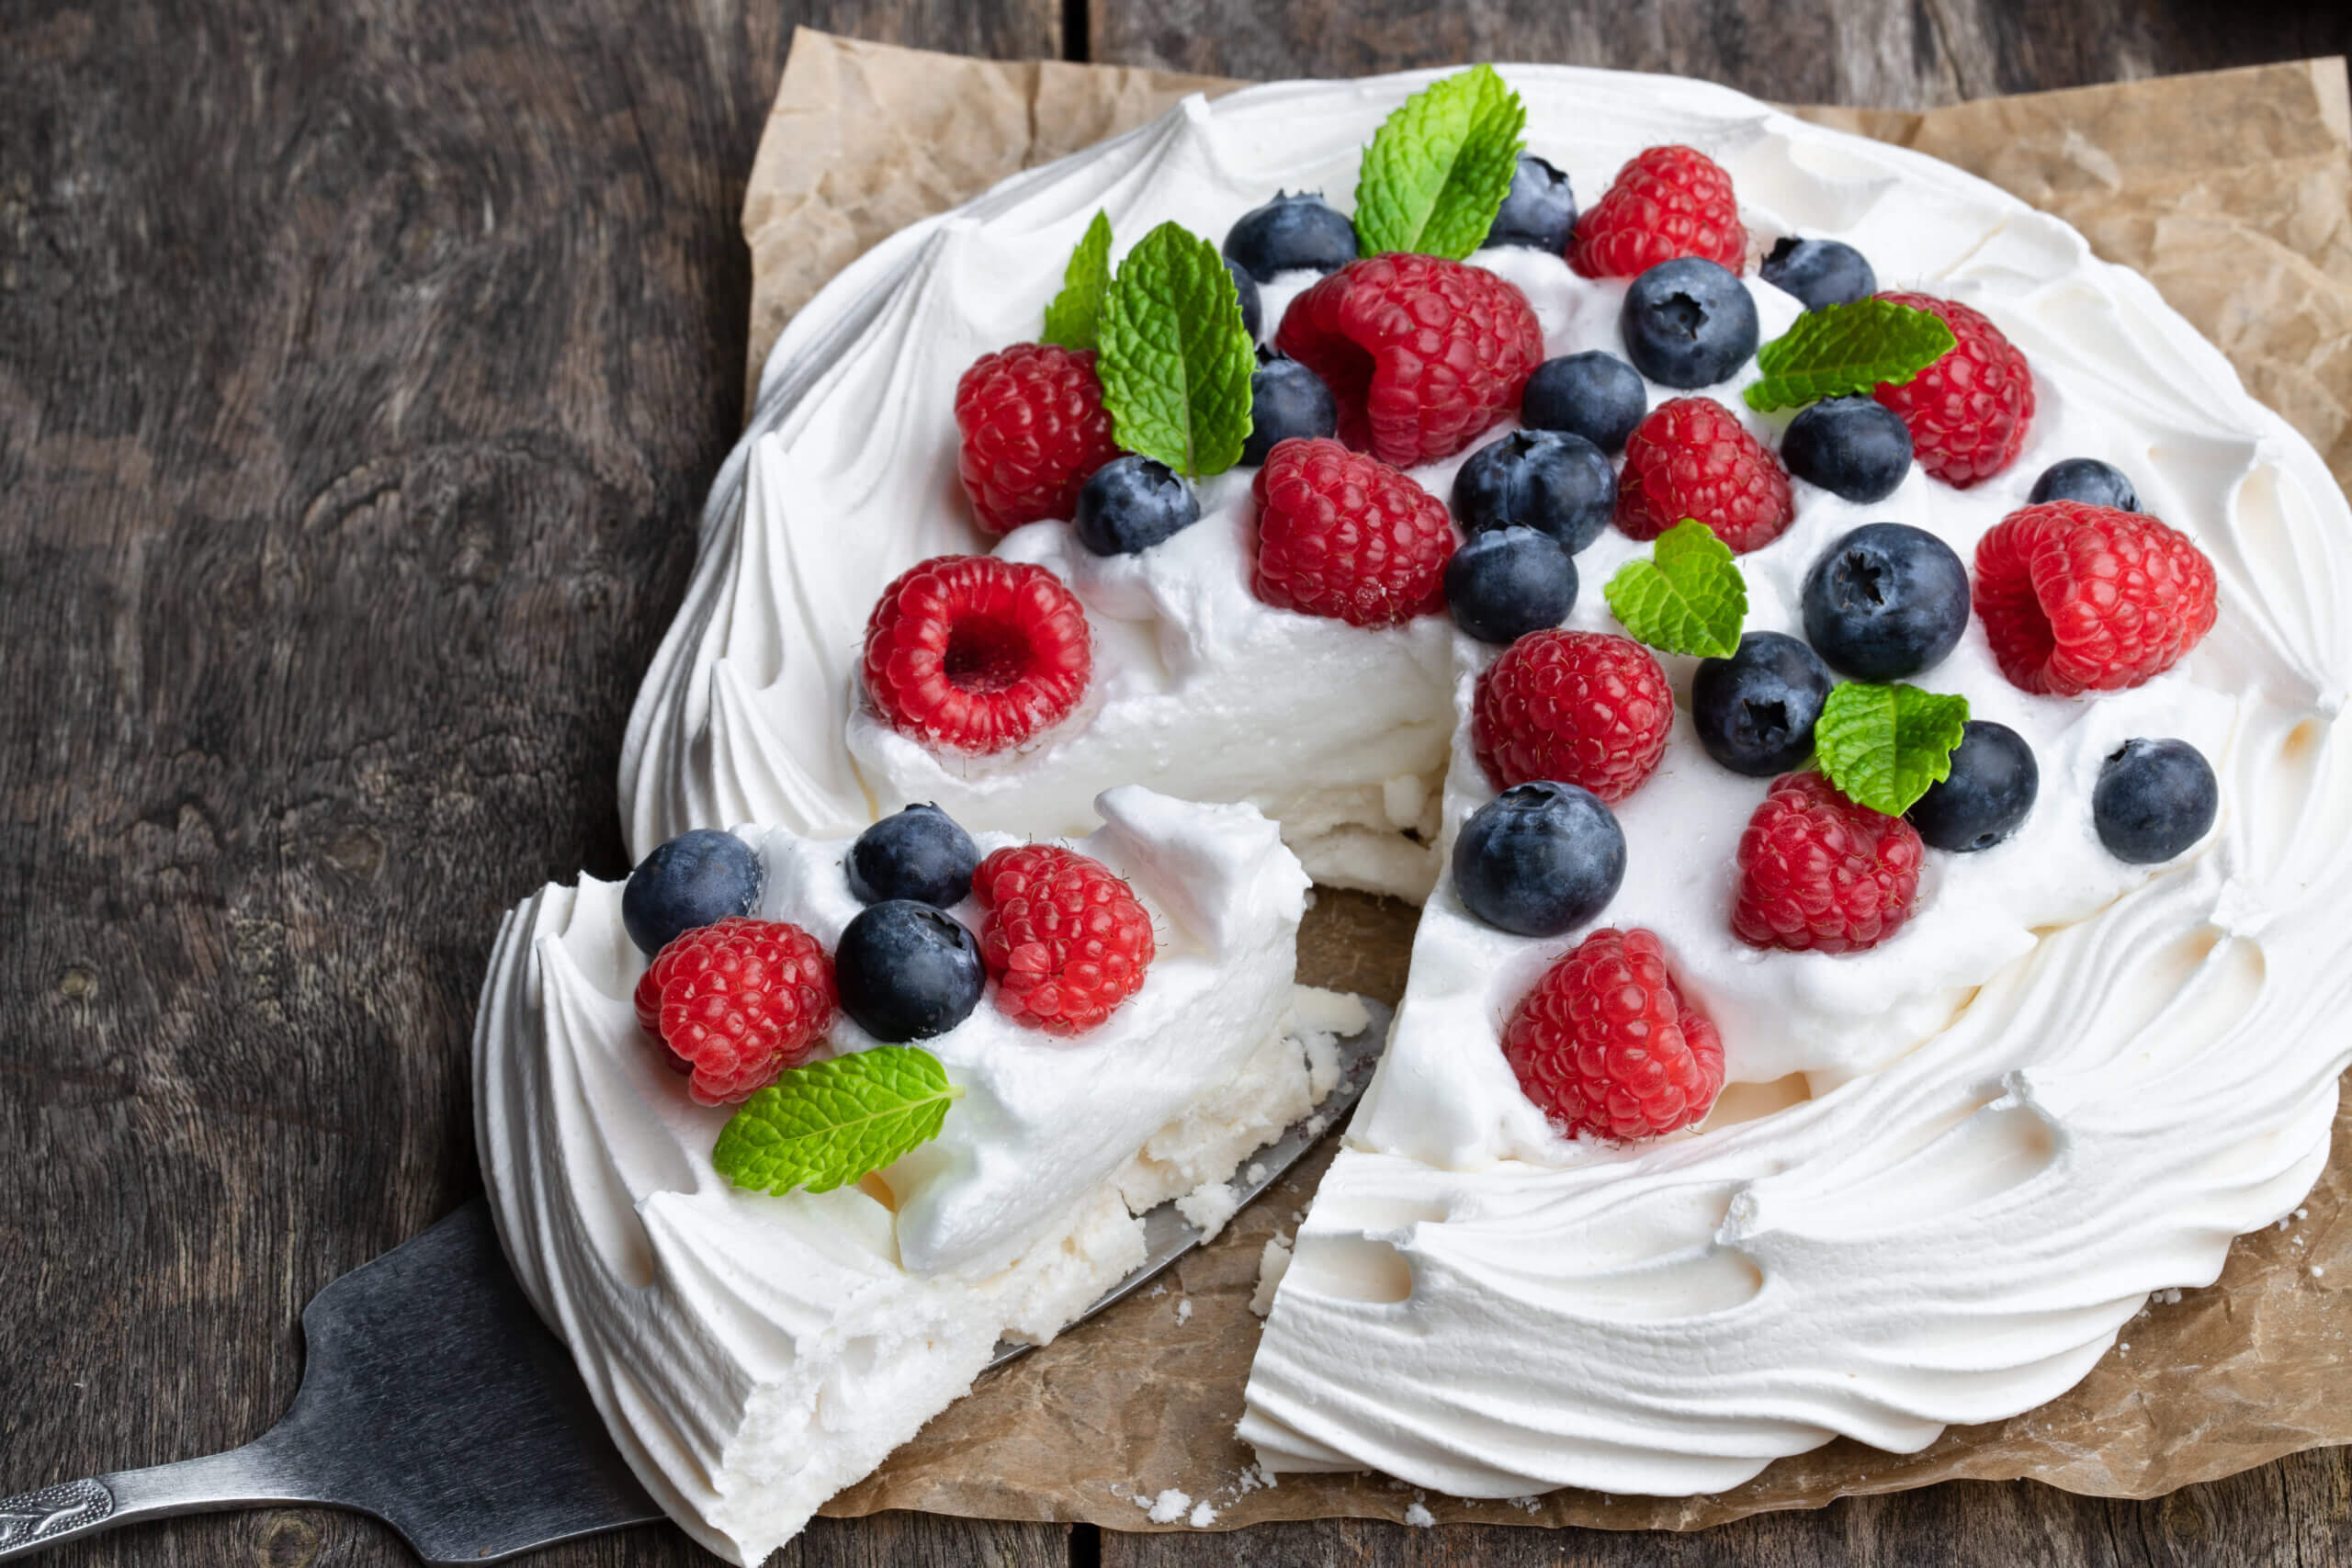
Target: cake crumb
x,y
1272,1264
1203,1515
1168,1507
1421,1519
1184,1310
1208,1206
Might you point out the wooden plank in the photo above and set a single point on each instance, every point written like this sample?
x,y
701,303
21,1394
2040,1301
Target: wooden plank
x,y
1856,51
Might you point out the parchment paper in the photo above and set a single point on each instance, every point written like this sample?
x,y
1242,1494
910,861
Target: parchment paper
x,y
2232,192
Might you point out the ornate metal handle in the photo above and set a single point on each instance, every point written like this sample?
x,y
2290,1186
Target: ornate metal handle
x,y
53,1514
250,1476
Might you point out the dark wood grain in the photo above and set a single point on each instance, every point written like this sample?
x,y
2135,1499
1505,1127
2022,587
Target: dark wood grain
x,y
361,371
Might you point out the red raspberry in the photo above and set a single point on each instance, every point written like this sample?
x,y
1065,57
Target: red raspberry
x,y
1422,355
2079,598
1968,413
976,654
1818,873
1346,536
1582,707
1692,457
737,1003
1606,1044
1035,431
1065,939
1666,202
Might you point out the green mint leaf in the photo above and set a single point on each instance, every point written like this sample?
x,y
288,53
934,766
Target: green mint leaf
x,y
1842,349
1689,597
1882,746
1176,359
1075,318
1437,172
828,1123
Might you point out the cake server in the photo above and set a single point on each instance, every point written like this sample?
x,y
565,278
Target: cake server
x,y
433,1398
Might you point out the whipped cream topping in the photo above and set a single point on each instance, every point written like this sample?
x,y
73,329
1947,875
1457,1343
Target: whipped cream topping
x,y
753,1353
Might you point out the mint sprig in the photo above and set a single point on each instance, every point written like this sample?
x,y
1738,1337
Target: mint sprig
x,y
1689,597
1842,349
1175,358
824,1126
1437,170
1074,319
1882,746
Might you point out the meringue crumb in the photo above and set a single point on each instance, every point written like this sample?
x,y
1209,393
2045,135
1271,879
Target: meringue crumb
x,y
1256,1175
1208,1206
1203,1515
2168,1296
2318,1272
1525,1505
2303,1213
1184,1310
1168,1507
1421,1519
1314,1125
1161,1289
1272,1264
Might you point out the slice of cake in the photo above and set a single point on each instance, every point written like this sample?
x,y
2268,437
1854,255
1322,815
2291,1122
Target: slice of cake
x,y
754,1351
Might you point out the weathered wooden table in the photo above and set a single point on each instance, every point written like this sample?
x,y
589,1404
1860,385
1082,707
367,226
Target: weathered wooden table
x,y
361,370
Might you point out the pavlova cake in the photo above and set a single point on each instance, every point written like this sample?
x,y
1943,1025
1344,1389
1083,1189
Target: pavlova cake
x,y
1852,676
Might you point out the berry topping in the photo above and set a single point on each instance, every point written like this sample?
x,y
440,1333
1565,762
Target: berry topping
x,y
1545,479
2081,598
1287,403
1886,602
1034,428
1606,1044
737,1003
1505,582
1065,939
1692,457
1666,202
1347,537
976,654
1292,234
1421,355
1819,272
1539,211
699,878
2153,799
1853,447
1253,309
1988,795
908,971
2086,480
1582,707
1689,322
1131,504
919,853
1819,874
1538,859
1755,711
1969,412
1595,395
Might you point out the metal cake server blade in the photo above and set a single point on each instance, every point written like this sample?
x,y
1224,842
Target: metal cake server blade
x,y
433,1398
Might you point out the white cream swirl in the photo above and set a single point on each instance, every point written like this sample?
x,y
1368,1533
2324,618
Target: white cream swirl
x,y
753,1354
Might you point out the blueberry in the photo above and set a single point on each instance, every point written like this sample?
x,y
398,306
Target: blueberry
x,y
1253,311
1689,322
1131,504
1819,272
1885,601
1755,711
2086,480
1852,447
1506,582
920,853
1991,790
907,971
2153,800
1539,211
1595,395
1538,479
1287,401
1538,859
1292,234
699,878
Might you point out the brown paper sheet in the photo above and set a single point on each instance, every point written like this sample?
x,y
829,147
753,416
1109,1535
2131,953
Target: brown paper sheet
x,y
2232,192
